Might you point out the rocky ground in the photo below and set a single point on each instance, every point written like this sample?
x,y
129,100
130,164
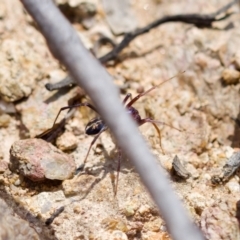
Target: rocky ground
x,y
204,102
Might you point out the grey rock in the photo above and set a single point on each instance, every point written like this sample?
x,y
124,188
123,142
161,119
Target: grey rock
x,y
119,16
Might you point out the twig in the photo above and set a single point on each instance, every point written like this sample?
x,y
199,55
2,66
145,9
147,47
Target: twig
x,y
199,20
54,215
66,46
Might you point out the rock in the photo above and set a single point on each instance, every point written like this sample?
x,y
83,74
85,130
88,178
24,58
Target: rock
x,y
86,9
230,76
18,62
179,169
119,16
4,120
129,207
217,223
12,226
6,107
3,166
67,141
233,186
153,226
144,210
39,160
80,11
115,224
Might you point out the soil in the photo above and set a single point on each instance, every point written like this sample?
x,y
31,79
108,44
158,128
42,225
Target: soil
x,y
203,102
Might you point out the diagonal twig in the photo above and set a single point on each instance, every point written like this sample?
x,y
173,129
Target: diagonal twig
x,y
199,20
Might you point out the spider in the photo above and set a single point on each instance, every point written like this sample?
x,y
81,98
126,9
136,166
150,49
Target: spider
x,y
97,126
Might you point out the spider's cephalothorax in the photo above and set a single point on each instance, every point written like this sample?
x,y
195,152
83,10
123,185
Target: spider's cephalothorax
x,y
95,126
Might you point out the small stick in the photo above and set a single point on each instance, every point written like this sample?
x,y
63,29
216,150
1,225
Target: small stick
x,y
68,81
199,20
54,215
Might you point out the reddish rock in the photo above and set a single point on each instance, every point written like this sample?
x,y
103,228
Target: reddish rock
x,y
39,160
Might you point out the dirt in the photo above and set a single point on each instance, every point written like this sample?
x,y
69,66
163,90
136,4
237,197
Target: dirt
x,y
203,102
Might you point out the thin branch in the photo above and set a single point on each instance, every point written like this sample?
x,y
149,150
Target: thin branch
x,y
199,20
66,46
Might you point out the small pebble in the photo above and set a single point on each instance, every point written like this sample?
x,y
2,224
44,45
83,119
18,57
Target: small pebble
x,y
4,120
144,209
67,141
3,166
119,16
17,182
179,169
6,107
230,76
233,186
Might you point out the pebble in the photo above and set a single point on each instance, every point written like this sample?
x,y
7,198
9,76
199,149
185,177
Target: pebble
x,y
233,186
67,141
87,10
179,169
3,166
153,226
130,208
230,76
39,160
6,107
198,202
144,209
115,224
119,16
4,120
